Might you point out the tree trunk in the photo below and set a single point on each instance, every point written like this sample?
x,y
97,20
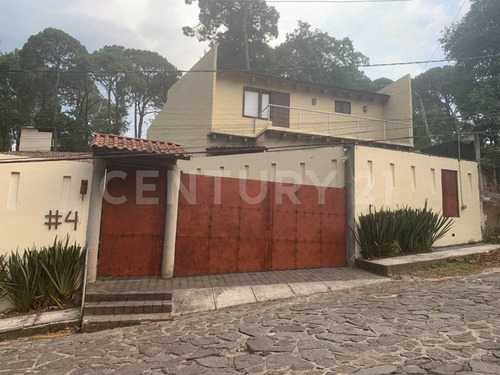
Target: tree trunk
x,y
245,36
135,120
56,104
423,114
142,114
109,108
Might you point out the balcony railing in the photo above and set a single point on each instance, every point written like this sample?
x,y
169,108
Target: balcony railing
x,y
334,124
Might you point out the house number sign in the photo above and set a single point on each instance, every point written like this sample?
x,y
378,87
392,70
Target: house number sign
x,y
53,219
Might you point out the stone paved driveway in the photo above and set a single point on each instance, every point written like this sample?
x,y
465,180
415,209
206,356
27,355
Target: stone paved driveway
x,y
401,328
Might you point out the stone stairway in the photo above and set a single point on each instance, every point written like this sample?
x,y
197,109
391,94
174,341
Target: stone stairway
x,y
113,307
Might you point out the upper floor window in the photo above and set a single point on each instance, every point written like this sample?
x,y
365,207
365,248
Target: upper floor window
x,y
256,103
342,107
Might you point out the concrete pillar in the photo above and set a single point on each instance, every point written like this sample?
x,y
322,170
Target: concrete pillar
x,y
170,232
350,213
94,223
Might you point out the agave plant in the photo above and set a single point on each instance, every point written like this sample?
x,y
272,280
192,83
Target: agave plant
x,y
20,279
63,265
420,229
3,274
375,233
405,230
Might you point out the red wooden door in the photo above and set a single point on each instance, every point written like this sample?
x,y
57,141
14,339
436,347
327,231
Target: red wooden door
x,y
450,193
250,230
131,239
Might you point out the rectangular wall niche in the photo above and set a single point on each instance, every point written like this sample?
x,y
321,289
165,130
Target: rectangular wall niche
x,y
65,193
13,193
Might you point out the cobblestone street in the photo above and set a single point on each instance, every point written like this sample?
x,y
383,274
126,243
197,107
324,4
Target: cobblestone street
x,y
403,327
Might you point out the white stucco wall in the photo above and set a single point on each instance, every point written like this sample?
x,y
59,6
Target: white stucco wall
x,y
29,190
315,166
386,178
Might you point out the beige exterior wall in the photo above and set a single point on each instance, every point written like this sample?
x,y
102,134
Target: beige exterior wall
x,y
187,115
228,110
416,178
399,109
391,119
29,190
34,140
319,166
204,102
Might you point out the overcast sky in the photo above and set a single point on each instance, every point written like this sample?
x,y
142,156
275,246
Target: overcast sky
x,y
385,32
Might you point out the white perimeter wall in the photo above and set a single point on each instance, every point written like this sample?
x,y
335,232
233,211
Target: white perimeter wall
x,y
315,166
385,178
29,190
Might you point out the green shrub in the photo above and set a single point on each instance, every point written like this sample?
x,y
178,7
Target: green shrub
x,y
63,265
37,277
375,233
402,231
419,229
21,279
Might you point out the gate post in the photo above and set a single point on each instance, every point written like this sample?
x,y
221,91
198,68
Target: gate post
x,y
170,231
350,213
94,220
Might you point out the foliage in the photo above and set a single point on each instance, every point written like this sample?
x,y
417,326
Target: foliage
x,y
435,96
53,273
16,100
109,66
476,35
314,56
239,26
21,283
404,231
49,54
53,82
491,153
148,84
376,232
63,264
419,229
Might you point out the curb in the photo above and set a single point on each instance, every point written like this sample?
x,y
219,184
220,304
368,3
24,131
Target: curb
x,y
34,324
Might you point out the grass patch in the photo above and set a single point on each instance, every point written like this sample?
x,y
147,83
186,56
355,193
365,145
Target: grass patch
x,y
460,267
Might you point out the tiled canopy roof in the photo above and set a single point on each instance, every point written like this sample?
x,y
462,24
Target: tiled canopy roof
x,y
84,157
115,142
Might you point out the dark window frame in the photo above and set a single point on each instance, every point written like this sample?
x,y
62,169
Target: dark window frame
x,y
339,107
260,92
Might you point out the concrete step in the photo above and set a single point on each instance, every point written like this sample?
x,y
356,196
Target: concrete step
x,y
127,296
127,307
93,323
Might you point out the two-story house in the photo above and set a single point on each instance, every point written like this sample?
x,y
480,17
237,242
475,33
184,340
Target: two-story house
x,y
207,110
254,127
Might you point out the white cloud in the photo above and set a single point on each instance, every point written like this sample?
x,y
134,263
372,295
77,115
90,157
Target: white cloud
x,y
385,32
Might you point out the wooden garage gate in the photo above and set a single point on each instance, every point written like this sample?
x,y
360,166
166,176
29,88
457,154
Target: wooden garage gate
x,y
131,237
236,235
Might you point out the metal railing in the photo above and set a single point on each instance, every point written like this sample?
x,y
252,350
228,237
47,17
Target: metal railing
x,y
333,124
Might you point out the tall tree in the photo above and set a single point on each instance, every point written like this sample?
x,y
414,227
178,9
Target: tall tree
x,y
435,103
10,108
148,83
474,43
239,27
315,56
54,52
109,68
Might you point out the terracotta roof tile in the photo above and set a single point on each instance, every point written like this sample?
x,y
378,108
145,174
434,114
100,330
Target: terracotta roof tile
x,y
85,157
115,142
